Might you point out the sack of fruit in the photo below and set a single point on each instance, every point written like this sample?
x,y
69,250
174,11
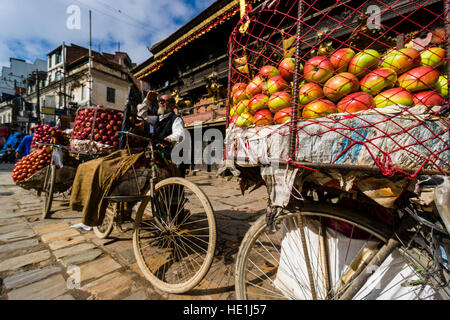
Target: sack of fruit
x,y
329,71
95,130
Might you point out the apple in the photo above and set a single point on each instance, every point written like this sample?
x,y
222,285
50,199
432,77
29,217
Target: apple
x,y
378,80
279,100
393,96
318,70
263,118
428,98
245,120
257,85
238,86
308,93
108,127
355,102
268,71
363,62
233,120
401,60
442,86
276,84
432,57
340,85
233,111
341,58
258,102
97,137
318,108
287,69
239,96
242,106
418,79
284,116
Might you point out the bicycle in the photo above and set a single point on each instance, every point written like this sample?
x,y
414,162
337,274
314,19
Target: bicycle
x,y
174,234
319,250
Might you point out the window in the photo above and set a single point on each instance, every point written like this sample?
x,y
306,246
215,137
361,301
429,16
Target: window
x,y
111,95
50,62
58,58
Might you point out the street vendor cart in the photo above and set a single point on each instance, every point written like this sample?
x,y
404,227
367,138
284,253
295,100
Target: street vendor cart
x,y
341,109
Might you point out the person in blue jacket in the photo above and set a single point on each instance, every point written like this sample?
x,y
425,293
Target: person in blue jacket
x,y
24,147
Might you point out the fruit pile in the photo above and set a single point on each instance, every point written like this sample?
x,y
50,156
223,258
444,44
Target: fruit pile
x,y
343,81
45,133
95,129
29,165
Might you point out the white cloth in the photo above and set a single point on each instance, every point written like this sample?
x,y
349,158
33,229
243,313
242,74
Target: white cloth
x,y
177,135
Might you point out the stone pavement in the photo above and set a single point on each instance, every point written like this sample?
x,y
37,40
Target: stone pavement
x,y
37,258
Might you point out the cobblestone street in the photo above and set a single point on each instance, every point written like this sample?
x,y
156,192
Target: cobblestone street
x,y
35,254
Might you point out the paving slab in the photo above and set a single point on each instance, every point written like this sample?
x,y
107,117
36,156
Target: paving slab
x,y
31,258
59,244
47,289
110,286
18,245
17,220
70,251
17,235
139,295
28,277
65,297
59,235
49,228
12,228
98,268
80,258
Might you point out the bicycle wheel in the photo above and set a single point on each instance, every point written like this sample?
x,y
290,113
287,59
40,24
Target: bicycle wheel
x,y
322,259
174,242
104,230
49,184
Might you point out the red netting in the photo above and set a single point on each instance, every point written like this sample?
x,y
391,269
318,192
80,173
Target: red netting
x,y
369,76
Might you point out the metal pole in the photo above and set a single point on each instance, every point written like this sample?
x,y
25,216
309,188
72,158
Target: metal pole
x,y
90,58
293,133
38,104
64,75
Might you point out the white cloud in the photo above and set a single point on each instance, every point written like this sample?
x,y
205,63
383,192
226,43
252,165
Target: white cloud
x,y
30,28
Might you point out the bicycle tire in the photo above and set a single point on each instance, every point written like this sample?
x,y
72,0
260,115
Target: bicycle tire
x,y
49,184
181,260
249,285
104,230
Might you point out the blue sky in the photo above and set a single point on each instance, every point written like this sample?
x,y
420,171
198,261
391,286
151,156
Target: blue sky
x,y
32,28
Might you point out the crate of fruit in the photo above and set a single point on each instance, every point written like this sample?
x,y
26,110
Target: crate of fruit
x,y
95,130
48,134
341,83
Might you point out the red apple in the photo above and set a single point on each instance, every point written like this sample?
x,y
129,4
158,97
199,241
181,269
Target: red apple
x,y
318,108
268,71
109,133
401,60
284,116
378,80
279,100
363,62
340,85
263,118
318,69
108,127
418,79
97,137
238,86
341,58
308,93
355,102
258,102
287,69
393,96
257,85
233,120
276,84
428,98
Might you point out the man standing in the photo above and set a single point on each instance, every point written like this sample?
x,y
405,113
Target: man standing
x,y
167,125
24,147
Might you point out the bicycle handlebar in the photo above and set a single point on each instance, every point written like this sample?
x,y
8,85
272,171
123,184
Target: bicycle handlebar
x,y
52,145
